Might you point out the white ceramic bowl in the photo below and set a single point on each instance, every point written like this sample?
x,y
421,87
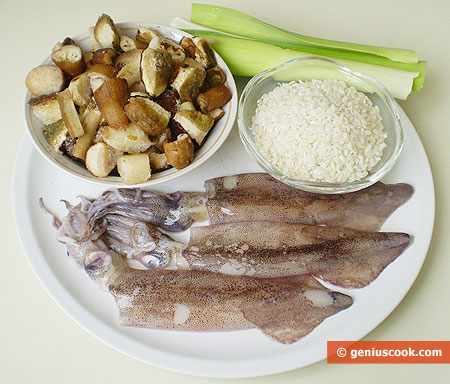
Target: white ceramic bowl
x,y
215,138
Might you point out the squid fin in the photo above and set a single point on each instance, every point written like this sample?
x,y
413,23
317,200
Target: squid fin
x,y
292,314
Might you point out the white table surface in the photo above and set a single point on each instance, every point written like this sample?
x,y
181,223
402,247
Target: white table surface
x,y
39,343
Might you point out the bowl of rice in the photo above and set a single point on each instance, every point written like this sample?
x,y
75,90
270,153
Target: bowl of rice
x,y
316,125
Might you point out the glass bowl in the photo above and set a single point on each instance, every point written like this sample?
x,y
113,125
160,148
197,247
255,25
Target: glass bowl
x,y
308,68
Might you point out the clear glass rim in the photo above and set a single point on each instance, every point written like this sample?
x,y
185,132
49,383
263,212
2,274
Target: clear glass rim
x,y
320,187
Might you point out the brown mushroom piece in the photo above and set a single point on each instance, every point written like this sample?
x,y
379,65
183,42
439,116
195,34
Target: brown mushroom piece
x,y
156,68
128,44
158,161
56,134
163,138
70,59
169,100
175,50
46,108
180,153
128,66
87,57
45,79
104,56
204,54
150,116
214,76
187,81
70,114
195,123
99,74
101,159
105,32
214,98
111,98
145,35
81,89
217,114
189,47
138,87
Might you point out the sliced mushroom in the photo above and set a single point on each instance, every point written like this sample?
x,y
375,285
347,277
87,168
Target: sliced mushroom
x,y
101,159
195,123
138,87
162,139
180,153
145,35
214,77
204,54
90,126
186,106
86,109
70,114
87,57
45,79
158,161
46,108
70,59
104,56
99,74
111,98
214,98
175,50
134,169
81,89
105,32
129,66
169,100
188,46
128,44
156,68
217,114
55,134
150,116
131,139
68,41
192,63
187,82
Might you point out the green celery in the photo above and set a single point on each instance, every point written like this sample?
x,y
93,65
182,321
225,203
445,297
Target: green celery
x,y
238,23
247,58
288,54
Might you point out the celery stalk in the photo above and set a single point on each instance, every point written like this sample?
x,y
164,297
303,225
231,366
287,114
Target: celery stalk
x,y
238,23
341,55
247,58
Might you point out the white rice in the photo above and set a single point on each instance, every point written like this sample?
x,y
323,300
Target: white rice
x,y
320,130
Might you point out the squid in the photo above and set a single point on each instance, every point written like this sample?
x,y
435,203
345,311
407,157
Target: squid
x,y
251,197
342,256
345,257
173,212
284,309
260,197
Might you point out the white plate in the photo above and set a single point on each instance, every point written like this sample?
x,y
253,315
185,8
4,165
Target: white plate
x,y
219,354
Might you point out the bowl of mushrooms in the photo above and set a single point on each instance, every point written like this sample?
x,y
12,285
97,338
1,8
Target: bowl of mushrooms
x,y
130,103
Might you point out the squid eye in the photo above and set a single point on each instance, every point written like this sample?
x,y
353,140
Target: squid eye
x,y
97,260
154,260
